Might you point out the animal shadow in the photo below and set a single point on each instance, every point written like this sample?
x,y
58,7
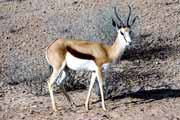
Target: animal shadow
x,y
147,96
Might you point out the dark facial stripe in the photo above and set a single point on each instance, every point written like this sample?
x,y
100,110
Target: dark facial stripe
x,y
125,39
80,55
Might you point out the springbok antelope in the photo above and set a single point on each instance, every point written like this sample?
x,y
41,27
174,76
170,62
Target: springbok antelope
x,y
86,55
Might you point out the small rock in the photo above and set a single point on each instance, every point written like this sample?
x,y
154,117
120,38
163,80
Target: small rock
x,y
142,109
75,2
177,118
13,30
7,37
50,113
10,49
40,102
12,99
23,117
34,106
105,116
32,111
1,17
11,116
66,30
156,62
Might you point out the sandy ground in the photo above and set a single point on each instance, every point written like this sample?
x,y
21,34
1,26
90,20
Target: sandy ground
x,y
19,104
145,84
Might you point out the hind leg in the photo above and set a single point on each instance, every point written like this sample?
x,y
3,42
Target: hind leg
x,y
68,97
50,87
60,82
53,77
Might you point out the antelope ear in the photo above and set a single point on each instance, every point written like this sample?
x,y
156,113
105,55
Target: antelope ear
x,y
115,24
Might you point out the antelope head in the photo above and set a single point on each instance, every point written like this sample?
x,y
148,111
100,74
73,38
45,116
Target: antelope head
x,y
123,29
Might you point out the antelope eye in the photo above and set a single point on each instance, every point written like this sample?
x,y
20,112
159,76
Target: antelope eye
x,y
122,33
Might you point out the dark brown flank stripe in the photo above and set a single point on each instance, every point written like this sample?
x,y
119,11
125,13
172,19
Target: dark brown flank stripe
x,y
79,54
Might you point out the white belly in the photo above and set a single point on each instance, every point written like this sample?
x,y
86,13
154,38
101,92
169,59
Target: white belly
x,y
75,63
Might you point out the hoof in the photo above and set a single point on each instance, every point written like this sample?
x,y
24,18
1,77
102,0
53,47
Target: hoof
x,y
86,106
55,109
104,108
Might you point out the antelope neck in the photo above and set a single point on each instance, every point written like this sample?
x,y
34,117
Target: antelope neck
x,y
117,49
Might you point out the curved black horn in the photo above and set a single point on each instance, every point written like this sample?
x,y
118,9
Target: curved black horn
x,y
133,21
118,16
129,16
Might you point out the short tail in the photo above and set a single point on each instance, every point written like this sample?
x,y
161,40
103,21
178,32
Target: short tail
x,y
50,68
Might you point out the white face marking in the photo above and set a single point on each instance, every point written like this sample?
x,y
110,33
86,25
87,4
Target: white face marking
x,y
123,35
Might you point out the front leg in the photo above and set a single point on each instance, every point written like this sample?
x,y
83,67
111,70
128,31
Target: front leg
x,y
106,83
99,76
90,88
